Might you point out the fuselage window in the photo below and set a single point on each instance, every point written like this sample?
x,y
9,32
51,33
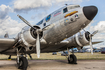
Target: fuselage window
x,y
44,24
65,10
40,22
48,18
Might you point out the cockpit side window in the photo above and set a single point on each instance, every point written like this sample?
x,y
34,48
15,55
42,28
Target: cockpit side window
x,y
48,18
40,22
65,10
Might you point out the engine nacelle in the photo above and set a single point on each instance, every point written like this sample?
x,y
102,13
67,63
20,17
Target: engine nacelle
x,y
80,39
27,37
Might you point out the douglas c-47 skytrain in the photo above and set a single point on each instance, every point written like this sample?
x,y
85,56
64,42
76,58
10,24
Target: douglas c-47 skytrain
x,y
49,34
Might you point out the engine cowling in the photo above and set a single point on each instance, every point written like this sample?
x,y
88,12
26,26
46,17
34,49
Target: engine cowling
x,y
80,39
27,37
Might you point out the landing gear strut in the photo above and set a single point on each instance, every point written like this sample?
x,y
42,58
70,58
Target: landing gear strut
x,y
30,56
71,58
9,58
22,62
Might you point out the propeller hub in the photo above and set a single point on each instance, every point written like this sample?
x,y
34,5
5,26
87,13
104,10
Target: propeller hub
x,y
87,35
38,31
35,32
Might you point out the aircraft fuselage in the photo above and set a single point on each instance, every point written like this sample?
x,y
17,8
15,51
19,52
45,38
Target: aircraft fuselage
x,y
62,25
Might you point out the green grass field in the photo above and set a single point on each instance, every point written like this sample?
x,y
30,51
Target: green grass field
x,y
49,56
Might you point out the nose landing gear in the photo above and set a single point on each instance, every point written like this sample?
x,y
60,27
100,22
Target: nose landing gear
x,y
71,58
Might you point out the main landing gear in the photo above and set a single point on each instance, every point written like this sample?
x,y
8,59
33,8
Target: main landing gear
x,y
71,58
22,62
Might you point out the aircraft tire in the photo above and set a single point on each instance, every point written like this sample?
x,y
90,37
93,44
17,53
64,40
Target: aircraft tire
x,y
73,59
23,63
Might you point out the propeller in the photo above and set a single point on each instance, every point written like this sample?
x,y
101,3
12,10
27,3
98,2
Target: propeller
x,y
38,44
90,41
25,21
94,33
38,31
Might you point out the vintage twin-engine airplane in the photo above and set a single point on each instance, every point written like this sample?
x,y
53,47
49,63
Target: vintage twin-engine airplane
x,y
49,34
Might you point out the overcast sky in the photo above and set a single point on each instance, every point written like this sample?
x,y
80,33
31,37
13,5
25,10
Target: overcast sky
x,y
35,10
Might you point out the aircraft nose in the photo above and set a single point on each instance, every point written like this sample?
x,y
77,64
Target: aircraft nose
x,y
90,11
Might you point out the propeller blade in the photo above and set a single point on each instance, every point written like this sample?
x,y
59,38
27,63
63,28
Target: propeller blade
x,y
94,32
91,46
38,45
25,21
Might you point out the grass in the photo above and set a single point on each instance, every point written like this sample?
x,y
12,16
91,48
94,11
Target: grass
x,y
49,56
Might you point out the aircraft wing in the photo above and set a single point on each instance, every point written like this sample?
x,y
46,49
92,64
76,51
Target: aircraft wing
x,y
6,44
61,46
95,42
53,47
71,45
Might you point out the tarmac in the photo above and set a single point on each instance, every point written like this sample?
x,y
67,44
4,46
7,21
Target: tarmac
x,y
55,65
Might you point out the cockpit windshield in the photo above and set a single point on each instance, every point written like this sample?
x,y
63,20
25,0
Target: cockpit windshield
x,y
73,6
